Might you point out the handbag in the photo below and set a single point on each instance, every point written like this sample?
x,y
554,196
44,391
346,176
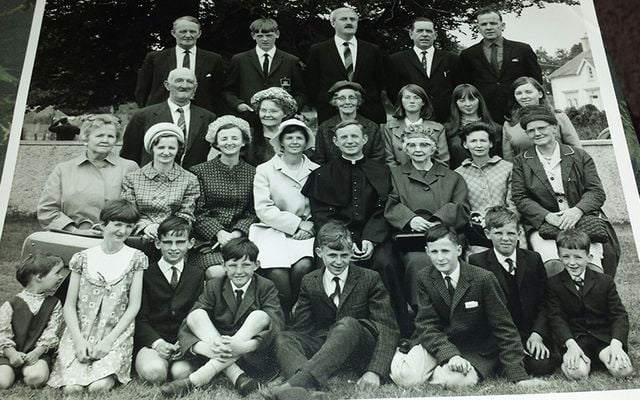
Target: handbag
x,y
593,225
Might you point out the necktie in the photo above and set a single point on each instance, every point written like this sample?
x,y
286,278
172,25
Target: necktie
x,y
335,296
512,268
494,57
449,284
174,277
579,283
265,65
348,61
181,121
186,61
424,62
238,297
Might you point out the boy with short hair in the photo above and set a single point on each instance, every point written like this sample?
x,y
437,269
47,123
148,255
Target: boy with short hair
x,y
523,280
586,315
236,317
170,288
342,316
464,332
30,322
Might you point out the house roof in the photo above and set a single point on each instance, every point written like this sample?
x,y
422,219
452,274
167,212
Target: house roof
x,y
573,66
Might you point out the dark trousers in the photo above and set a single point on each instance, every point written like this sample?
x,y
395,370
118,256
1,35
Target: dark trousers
x,y
309,360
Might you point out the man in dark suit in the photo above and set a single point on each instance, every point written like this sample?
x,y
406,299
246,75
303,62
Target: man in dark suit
x,y
342,316
432,69
586,315
523,279
170,288
194,121
261,68
463,329
493,64
207,66
345,58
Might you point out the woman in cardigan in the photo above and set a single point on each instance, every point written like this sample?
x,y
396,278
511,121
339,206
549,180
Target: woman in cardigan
x,y
285,232
424,193
528,92
225,208
558,184
413,108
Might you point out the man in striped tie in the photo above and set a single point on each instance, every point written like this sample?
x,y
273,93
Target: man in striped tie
x,y
346,58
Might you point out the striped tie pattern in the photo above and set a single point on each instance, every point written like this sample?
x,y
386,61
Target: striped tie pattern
x,y
348,60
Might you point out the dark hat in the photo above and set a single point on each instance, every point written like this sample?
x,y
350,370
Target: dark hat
x,y
536,113
345,85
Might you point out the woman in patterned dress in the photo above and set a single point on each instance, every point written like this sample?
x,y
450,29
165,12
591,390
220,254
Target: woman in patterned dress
x,y
103,299
225,209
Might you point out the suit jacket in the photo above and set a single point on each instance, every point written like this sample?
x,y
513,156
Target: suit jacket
x,y
532,286
439,84
596,310
535,198
474,324
518,60
163,309
245,77
363,298
155,70
439,196
325,67
219,301
196,148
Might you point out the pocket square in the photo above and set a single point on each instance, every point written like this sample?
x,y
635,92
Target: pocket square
x,y
515,60
208,76
470,304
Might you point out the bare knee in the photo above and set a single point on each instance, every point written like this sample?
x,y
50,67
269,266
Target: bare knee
x,y
154,372
36,375
181,369
102,385
7,376
260,319
443,376
580,372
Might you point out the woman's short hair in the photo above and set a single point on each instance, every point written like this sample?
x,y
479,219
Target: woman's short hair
x,y
340,85
93,122
280,97
478,126
334,235
38,264
513,105
119,210
427,108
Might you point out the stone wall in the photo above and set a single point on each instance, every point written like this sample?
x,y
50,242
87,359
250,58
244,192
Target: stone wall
x,y
37,158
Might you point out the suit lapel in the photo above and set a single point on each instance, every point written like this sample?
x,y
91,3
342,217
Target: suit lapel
x,y
158,276
277,60
520,266
506,55
570,284
247,300
333,52
194,125
589,281
566,164
199,65
253,60
536,167
413,59
461,288
483,59
352,278
435,62
437,281
318,285
497,269
227,295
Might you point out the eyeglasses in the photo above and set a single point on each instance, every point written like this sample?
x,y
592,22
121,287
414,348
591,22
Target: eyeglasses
x,y
350,98
531,131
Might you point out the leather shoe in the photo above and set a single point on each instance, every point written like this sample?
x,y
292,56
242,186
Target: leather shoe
x,y
177,388
245,385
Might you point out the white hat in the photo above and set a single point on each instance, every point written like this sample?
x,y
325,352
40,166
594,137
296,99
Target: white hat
x,y
162,128
311,138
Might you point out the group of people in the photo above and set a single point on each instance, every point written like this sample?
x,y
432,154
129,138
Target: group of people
x,y
416,248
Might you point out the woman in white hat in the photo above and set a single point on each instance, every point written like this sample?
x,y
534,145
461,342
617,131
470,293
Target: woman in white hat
x,y
162,187
225,209
285,232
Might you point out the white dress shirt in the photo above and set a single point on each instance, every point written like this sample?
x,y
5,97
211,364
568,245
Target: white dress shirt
x,y
175,115
192,57
166,270
261,54
502,259
429,56
330,286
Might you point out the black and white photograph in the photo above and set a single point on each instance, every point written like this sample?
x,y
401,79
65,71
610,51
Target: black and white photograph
x,y
317,200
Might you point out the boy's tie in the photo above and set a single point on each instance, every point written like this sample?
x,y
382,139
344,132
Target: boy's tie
x,y
335,296
449,284
174,277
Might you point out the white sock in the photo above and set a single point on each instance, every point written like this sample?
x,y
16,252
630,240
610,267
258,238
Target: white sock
x,y
204,374
233,372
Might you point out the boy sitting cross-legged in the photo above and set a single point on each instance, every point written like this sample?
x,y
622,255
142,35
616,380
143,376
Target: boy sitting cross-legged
x,y
235,317
585,313
170,288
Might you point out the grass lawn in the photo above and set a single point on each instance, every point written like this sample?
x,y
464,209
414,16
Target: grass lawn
x,y
628,286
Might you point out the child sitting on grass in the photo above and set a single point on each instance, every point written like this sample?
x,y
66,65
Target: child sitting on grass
x,y
586,315
29,322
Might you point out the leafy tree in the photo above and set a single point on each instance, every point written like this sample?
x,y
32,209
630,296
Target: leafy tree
x,y
90,51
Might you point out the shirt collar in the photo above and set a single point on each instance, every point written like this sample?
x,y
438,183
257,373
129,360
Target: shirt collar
x,y
180,51
151,172
328,276
174,107
419,51
555,156
165,267
499,41
340,42
111,158
261,53
455,275
502,259
468,162
243,288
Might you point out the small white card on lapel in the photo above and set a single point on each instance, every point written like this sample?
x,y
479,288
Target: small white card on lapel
x,y
515,60
470,304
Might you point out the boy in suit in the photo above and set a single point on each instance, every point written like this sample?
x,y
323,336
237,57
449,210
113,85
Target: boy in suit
x,y
586,315
463,328
235,318
523,280
342,315
170,288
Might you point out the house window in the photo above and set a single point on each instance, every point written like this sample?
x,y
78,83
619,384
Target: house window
x,y
590,72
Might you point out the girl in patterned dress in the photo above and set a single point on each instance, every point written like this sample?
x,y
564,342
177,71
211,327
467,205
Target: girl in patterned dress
x,y
102,302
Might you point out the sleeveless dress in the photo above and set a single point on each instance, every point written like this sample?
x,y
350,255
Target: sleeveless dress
x,y
101,303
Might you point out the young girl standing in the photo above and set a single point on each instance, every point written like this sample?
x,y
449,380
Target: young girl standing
x,y
102,302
